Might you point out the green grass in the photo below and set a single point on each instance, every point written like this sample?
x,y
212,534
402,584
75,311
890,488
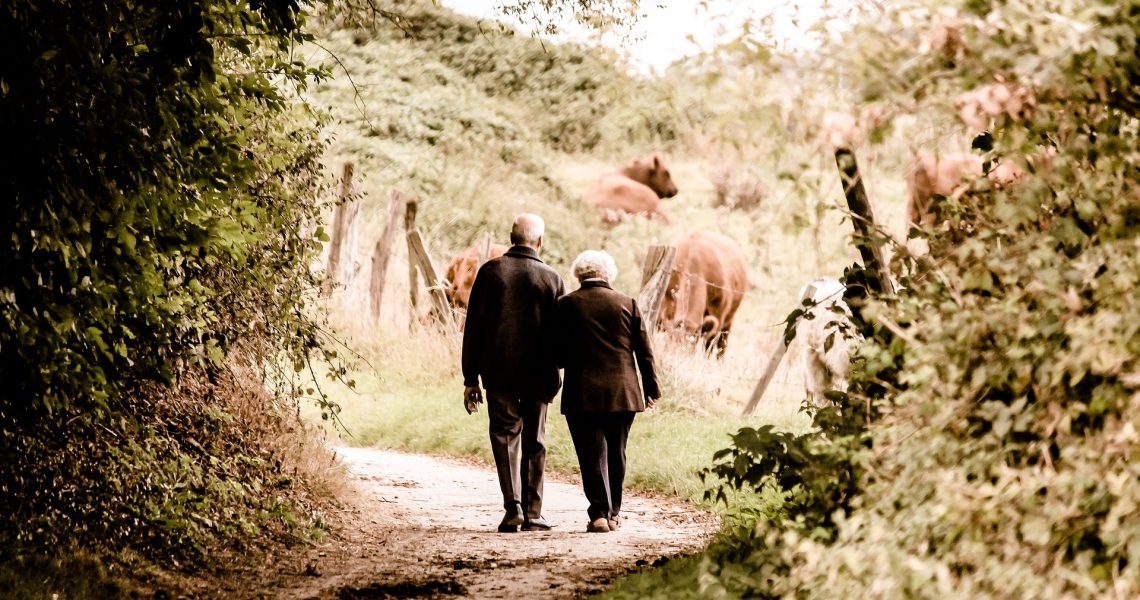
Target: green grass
x,y
678,579
410,400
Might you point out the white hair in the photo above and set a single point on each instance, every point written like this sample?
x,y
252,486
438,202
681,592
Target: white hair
x,y
528,228
594,263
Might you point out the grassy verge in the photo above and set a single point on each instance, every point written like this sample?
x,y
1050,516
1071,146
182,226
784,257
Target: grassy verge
x,y
675,580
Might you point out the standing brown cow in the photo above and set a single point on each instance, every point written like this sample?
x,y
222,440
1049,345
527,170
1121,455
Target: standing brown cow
x,y
636,189
705,288
929,175
460,276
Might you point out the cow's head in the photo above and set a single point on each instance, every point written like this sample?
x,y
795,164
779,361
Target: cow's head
x,y
653,173
689,326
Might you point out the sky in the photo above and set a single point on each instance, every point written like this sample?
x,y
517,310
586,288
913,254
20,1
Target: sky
x,y
682,28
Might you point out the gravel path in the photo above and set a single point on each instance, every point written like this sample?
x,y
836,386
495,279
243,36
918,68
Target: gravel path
x,y
426,529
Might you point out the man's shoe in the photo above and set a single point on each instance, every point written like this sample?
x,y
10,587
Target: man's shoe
x,y
598,525
511,520
614,523
539,524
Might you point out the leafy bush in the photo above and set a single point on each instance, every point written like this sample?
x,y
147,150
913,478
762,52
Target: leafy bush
x,y
998,456
152,243
574,95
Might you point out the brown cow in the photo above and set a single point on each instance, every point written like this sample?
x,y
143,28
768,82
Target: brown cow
x,y
636,189
705,288
929,175
978,108
460,276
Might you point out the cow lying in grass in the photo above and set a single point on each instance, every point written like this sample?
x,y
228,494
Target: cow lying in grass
x,y
636,189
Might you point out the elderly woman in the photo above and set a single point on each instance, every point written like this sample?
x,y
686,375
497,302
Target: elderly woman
x,y
603,343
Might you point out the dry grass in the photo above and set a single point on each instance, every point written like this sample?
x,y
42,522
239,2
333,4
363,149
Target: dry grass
x,y
274,428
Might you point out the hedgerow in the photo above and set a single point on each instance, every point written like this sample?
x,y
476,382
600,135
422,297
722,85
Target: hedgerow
x,y
997,457
154,269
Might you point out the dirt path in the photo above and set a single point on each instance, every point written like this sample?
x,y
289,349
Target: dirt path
x,y
427,529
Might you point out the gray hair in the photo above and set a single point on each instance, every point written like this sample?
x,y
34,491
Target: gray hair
x,y
527,229
594,263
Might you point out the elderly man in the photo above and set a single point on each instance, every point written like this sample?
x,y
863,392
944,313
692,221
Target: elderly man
x,y
603,344
506,343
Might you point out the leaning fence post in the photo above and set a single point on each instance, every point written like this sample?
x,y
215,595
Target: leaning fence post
x,y
773,363
863,221
418,255
413,280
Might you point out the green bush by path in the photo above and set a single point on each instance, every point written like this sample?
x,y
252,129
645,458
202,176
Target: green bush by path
x,y
153,258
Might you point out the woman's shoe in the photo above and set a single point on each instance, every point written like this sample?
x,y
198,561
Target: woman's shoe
x,y
598,525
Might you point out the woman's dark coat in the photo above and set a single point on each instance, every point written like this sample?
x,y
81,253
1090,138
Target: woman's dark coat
x,y
602,342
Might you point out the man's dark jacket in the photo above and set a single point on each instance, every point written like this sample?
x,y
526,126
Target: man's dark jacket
x,y
510,320
602,343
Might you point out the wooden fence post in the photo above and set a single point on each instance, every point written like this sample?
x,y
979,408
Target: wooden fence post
x,y
383,252
654,281
418,255
773,363
863,220
342,245
413,281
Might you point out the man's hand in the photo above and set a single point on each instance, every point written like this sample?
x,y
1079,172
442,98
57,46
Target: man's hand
x,y
651,402
472,398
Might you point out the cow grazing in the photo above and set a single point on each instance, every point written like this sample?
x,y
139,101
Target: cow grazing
x,y
636,189
825,362
705,288
460,275
929,175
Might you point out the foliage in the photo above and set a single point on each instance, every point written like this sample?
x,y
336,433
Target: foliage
x,y
152,248
578,98
998,456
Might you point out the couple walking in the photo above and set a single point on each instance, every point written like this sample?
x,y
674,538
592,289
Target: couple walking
x,y
521,327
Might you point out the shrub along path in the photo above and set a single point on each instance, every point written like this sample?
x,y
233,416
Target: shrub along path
x,y
419,526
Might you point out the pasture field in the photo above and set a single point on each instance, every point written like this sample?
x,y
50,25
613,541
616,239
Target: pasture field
x,y
400,127
417,119
408,387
